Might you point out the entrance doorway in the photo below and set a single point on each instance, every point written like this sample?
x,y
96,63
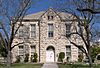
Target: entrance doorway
x,y
50,54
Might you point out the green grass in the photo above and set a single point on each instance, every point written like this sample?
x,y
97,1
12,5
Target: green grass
x,y
76,66
20,65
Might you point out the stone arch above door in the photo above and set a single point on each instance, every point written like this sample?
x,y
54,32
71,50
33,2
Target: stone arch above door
x,y
50,48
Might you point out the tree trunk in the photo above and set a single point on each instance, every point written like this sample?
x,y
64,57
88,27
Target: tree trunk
x,y
9,59
89,58
90,61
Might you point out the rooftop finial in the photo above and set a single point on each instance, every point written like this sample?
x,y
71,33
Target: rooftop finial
x,y
50,8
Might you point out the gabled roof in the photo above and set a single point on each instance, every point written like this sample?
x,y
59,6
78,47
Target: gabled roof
x,y
62,15
35,15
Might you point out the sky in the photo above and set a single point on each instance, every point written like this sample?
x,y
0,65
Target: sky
x,y
41,5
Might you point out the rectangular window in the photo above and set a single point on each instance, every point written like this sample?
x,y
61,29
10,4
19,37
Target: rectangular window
x,y
79,51
21,50
50,30
68,51
68,27
32,49
21,31
33,30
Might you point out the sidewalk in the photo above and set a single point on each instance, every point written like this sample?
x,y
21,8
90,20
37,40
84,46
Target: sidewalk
x,y
50,65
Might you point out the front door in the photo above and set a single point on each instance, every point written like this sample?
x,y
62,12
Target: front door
x,y
49,56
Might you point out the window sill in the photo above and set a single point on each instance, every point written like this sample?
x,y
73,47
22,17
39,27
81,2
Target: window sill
x,y
50,37
33,37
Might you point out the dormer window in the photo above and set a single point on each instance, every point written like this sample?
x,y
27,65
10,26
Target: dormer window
x,y
50,17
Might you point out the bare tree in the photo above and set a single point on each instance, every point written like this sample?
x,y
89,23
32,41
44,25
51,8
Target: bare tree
x,y
94,9
84,19
11,12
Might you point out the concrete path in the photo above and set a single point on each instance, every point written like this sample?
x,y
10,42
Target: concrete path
x,y
50,65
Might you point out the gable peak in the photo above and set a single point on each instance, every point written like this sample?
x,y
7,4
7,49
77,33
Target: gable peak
x,y
50,9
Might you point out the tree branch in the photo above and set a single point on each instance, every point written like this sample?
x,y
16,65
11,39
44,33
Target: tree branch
x,y
89,10
20,15
4,30
82,49
16,45
4,41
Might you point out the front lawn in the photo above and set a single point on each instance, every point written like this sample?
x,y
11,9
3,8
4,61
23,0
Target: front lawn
x,y
76,66
20,65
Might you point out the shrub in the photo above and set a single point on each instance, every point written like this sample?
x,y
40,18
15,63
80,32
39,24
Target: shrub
x,y
80,57
34,57
95,50
26,57
18,59
98,57
61,56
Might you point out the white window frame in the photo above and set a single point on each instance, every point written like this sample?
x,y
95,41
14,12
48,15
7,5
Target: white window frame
x,y
21,28
79,51
68,51
68,31
31,31
31,49
50,31
21,50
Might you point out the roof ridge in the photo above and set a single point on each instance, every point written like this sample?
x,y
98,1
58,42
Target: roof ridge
x,y
38,15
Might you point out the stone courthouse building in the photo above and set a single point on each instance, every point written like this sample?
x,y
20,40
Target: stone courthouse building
x,y
45,33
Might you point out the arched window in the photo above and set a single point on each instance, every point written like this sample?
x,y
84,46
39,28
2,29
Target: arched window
x,y
50,17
